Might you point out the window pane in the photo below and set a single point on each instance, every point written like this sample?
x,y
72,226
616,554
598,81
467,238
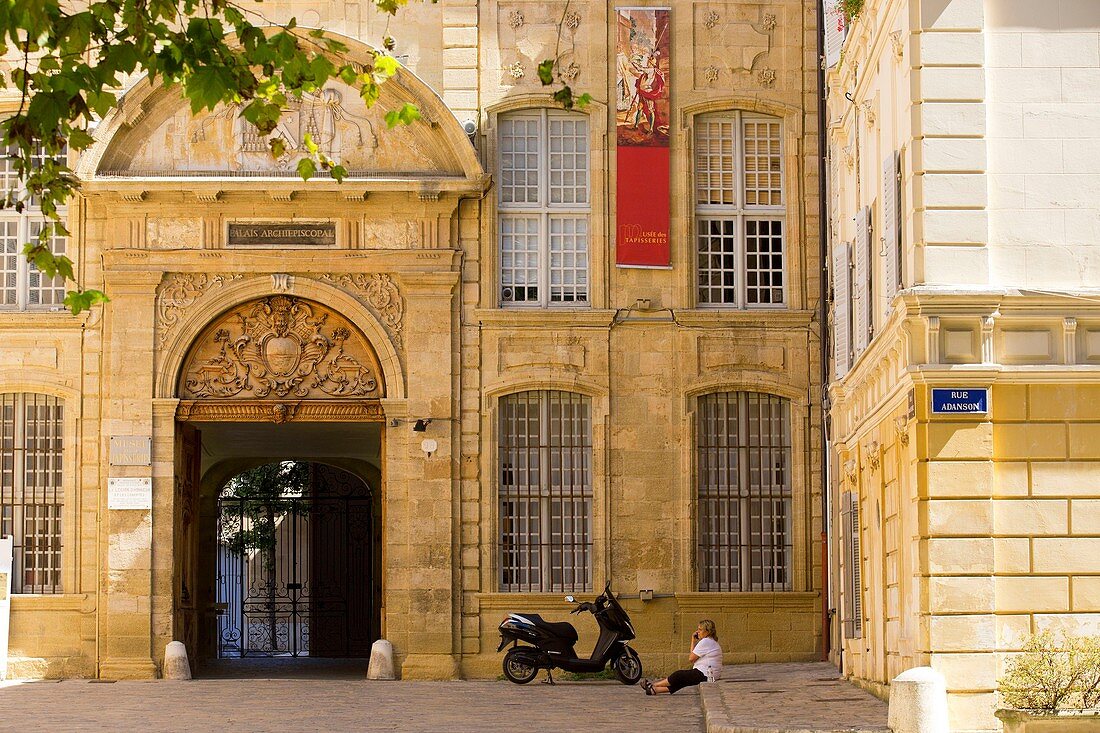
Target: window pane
x,y
545,492
9,261
743,455
717,263
763,163
714,172
763,261
519,259
568,146
568,259
519,160
31,493
40,289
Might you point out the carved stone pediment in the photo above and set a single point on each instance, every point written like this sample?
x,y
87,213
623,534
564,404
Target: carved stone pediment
x,y
281,347
172,141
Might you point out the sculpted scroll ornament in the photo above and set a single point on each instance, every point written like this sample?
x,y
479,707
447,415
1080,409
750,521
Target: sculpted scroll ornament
x,y
178,293
378,291
279,347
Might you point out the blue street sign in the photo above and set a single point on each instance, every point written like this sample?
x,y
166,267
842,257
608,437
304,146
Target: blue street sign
x,y
953,400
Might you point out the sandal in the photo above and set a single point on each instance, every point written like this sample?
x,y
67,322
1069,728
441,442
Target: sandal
x,y
648,687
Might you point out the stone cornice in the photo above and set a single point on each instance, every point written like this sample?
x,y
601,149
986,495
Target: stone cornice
x,y
42,320
412,263
218,189
545,317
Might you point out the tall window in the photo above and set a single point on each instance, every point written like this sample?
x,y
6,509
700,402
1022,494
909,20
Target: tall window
x,y
739,212
744,491
22,286
544,209
545,492
31,494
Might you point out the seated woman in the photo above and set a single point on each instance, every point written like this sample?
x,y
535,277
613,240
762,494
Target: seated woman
x,y
706,659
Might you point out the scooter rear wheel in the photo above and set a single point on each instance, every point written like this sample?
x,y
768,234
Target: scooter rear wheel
x,y
627,666
518,667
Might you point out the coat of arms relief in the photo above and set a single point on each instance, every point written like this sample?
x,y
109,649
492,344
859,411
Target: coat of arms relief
x,y
281,347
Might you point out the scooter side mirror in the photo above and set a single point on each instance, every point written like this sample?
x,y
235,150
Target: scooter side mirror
x,y
569,598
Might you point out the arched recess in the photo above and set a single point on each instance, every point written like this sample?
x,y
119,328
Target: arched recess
x,y
147,106
235,293
211,583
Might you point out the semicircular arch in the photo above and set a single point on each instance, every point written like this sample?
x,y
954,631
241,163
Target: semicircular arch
x,y
357,317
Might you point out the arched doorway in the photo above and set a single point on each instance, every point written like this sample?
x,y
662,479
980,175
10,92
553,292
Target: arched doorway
x,y
290,568
298,563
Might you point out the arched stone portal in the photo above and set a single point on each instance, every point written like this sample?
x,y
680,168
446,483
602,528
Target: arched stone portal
x,y
279,378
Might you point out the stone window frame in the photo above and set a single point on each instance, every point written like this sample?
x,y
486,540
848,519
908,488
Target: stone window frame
x,y
71,536
802,483
740,214
16,230
598,242
794,143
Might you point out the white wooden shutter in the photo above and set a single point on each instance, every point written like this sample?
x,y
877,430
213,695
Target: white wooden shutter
x,y
890,228
861,301
842,309
835,31
853,578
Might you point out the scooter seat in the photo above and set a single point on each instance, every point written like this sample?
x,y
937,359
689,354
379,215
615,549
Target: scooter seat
x,y
563,629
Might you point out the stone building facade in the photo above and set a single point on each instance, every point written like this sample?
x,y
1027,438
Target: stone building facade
x,y
962,141
601,424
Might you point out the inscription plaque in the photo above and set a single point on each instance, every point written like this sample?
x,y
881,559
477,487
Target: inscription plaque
x,y
129,493
130,450
281,234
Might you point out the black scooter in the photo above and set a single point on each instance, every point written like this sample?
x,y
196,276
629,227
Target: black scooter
x,y
552,643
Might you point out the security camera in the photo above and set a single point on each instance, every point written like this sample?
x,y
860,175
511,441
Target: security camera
x,y
469,127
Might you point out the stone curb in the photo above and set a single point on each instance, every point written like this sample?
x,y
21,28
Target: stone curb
x,y
717,720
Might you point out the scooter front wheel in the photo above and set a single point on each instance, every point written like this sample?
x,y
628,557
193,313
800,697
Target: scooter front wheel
x,y
627,666
518,667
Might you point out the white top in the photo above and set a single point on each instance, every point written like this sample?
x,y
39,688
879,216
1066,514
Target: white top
x,y
710,658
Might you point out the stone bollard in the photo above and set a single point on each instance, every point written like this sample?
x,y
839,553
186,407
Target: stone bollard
x,y
381,661
918,702
176,666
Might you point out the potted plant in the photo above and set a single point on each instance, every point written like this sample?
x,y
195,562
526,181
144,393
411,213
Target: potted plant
x,y
1053,686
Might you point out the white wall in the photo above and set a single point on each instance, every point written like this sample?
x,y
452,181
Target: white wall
x,y
1043,137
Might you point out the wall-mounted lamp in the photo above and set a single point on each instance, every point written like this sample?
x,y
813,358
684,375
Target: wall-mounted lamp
x,y
421,425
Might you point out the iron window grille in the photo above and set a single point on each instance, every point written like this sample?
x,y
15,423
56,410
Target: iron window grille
x,y
31,492
743,447
740,216
544,208
22,285
545,498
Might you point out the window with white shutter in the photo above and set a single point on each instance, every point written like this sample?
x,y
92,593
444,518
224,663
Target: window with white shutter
x,y
861,299
544,208
835,31
739,211
22,285
842,309
891,230
853,576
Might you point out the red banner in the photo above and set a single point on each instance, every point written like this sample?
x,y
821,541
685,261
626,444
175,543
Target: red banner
x,y
642,122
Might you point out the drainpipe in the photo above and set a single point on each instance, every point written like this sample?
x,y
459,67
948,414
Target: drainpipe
x,y
823,320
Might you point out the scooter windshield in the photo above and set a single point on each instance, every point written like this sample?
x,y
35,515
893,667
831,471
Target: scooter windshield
x,y
617,617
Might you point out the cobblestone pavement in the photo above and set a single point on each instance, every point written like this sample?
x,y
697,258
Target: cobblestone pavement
x,y
790,697
321,706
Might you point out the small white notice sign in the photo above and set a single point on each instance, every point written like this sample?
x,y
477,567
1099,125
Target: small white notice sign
x,y
5,601
129,493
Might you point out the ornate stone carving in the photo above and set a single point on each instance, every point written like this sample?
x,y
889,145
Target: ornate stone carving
x,y
516,70
281,282
733,42
280,346
544,30
572,20
333,410
767,78
178,292
874,455
379,292
515,19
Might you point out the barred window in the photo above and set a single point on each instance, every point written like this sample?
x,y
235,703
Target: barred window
x,y
31,494
739,211
22,285
544,208
743,481
545,492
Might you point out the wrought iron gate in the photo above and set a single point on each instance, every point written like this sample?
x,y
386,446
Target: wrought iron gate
x,y
295,571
